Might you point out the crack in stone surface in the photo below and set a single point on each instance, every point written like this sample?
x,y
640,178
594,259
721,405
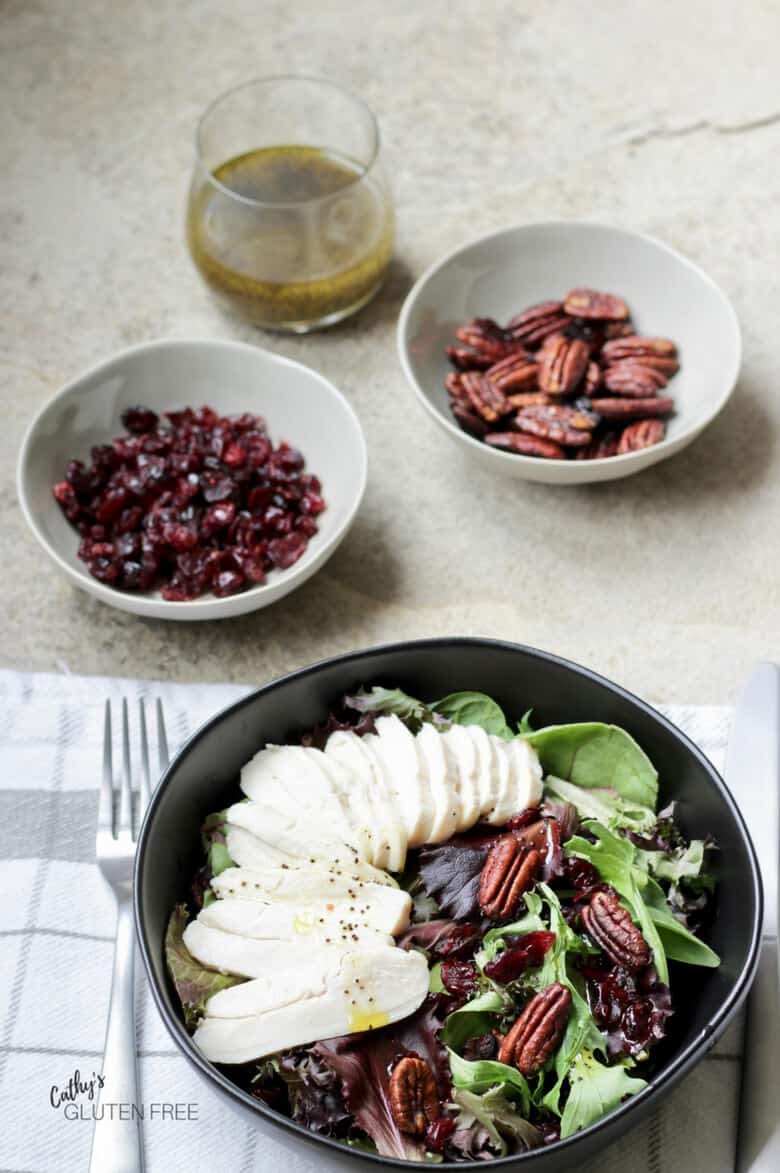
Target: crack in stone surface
x,y
640,137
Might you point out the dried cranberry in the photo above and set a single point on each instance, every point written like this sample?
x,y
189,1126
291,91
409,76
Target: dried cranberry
x,y
528,954
228,582
283,552
103,569
217,488
234,456
129,519
437,1134
523,819
288,459
551,1132
480,1047
460,943
218,517
139,419
259,497
258,450
312,504
459,977
132,575
111,504
104,458
580,873
64,493
306,525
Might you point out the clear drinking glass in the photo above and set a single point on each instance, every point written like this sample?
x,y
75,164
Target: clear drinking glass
x,y
290,219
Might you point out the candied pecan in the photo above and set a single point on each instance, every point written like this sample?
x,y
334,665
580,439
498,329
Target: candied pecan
x,y
600,447
593,378
562,363
610,926
468,419
509,870
642,434
526,445
454,385
573,417
589,332
516,372
590,303
486,399
538,1031
618,329
631,379
639,346
414,1100
487,338
529,399
468,360
547,429
627,409
533,325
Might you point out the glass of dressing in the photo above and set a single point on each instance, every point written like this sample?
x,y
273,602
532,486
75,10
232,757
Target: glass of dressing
x,y
290,219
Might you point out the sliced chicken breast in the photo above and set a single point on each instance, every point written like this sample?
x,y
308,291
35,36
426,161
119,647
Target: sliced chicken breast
x,y
442,779
367,990
307,882
290,836
461,750
395,747
321,917
370,804
249,851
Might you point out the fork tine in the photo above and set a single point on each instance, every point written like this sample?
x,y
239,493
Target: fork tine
x,y
125,823
145,785
106,807
162,740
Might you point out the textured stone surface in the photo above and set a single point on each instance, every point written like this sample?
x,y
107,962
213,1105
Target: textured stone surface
x,y
660,117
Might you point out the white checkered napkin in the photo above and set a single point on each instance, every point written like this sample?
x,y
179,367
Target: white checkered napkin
x,y
57,930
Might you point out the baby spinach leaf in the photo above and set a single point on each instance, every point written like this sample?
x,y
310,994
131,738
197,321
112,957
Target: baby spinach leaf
x,y
679,943
497,1116
595,1090
591,754
474,708
604,805
483,1074
192,981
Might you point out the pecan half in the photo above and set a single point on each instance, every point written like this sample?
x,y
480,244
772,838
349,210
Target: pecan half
x,y
529,399
564,425
538,1031
487,338
468,419
486,399
626,409
639,346
629,378
562,363
618,329
509,870
516,372
642,434
414,1100
468,360
454,385
610,926
593,378
533,325
590,303
525,445
600,447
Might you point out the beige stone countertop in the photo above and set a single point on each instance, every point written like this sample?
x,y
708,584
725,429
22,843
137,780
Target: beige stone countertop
x,y
663,117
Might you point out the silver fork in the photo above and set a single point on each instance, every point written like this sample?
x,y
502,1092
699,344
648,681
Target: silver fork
x,y
116,1142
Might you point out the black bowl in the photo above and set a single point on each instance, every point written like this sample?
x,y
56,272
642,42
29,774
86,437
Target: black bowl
x,y
203,777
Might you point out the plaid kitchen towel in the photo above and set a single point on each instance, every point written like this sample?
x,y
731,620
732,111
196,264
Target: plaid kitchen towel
x,y
57,930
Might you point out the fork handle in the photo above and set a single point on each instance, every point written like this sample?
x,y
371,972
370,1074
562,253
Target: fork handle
x,y
116,1142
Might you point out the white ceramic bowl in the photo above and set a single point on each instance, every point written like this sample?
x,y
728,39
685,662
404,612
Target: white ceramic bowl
x,y
501,274
299,406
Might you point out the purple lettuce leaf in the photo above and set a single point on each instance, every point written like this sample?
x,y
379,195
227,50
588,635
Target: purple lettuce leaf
x,y
449,872
363,1064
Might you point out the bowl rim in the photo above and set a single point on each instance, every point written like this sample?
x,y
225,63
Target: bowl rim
x,y
210,606
679,1065
518,459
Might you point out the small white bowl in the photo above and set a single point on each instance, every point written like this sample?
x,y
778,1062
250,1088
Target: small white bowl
x,y
298,404
501,274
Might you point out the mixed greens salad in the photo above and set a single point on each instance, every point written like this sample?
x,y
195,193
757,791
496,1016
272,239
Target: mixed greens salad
x,y
616,899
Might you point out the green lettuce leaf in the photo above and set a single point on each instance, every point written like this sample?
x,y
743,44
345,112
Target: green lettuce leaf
x,y
606,806
475,1018
524,725
193,982
215,843
483,1074
682,863
495,939
621,864
595,1090
391,701
591,754
497,1116
474,708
